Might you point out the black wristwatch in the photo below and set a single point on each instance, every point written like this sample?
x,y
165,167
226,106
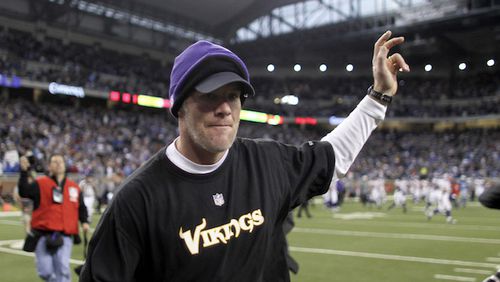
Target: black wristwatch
x,y
382,98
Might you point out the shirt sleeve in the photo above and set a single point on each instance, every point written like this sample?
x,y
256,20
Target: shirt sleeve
x,y
350,136
115,250
309,169
29,190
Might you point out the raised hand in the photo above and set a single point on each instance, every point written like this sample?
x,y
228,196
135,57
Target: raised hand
x,y
385,68
24,163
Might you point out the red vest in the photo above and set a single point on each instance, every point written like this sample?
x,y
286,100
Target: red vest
x,y
51,216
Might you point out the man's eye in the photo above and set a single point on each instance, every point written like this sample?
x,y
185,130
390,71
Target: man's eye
x,y
233,96
206,97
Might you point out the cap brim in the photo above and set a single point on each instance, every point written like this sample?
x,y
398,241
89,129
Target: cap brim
x,y
216,81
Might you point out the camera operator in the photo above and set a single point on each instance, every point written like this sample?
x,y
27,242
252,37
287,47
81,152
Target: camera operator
x,y
57,207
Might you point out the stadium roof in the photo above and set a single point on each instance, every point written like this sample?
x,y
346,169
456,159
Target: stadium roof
x,y
284,32
430,26
219,18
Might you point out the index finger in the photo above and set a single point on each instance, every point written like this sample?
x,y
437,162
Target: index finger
x,y
380,42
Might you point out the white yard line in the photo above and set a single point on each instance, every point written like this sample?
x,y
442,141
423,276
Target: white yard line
x,y
396,235
392,257
416,225
454,278
8,242
10,214
311,250
475,271
11,222
493,259
19,223
26,254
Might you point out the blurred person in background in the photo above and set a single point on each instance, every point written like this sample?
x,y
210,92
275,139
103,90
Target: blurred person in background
x,y
479,185
331,197
364,190
455,192
441,200
399,199
304,206
87,185
464,191
57,207
11,158
26,206
334,197
377,195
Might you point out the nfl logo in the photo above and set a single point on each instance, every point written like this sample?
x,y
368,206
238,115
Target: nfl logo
x,y
218,199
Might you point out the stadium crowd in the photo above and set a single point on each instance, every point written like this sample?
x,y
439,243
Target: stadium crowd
x,y
91,67
417,97
98,68
105,141
112,143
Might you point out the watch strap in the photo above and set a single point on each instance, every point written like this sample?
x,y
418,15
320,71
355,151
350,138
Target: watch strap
x,y
382,98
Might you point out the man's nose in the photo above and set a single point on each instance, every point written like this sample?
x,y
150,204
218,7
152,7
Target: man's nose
x,y
223,107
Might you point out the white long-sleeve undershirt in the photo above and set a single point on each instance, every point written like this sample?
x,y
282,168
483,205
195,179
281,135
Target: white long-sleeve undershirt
x,y
350,136
347,140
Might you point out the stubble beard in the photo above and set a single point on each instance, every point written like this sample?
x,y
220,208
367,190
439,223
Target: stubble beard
x,y
210,143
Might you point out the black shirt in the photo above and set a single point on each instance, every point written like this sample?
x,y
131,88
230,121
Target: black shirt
x,y
169,225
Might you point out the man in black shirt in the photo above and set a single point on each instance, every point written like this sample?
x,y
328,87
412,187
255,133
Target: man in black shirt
x,y
210,206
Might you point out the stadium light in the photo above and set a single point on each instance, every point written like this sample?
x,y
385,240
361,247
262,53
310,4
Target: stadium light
x,y
490,63
290,100
462,66
349,67
297,68
428,67
270,68
323,68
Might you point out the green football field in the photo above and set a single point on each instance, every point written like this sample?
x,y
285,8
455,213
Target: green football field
x,y
355,244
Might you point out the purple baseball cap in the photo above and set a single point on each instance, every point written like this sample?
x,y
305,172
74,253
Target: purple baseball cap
x,y
206,66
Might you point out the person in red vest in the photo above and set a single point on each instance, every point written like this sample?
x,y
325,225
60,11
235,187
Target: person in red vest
x,y
57,207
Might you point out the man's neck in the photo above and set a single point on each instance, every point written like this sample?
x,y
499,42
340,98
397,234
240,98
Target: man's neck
x,y
59,178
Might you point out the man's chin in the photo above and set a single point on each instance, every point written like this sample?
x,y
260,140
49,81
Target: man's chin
x,y
220,146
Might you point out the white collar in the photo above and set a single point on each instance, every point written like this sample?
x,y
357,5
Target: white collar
x,y
189,166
